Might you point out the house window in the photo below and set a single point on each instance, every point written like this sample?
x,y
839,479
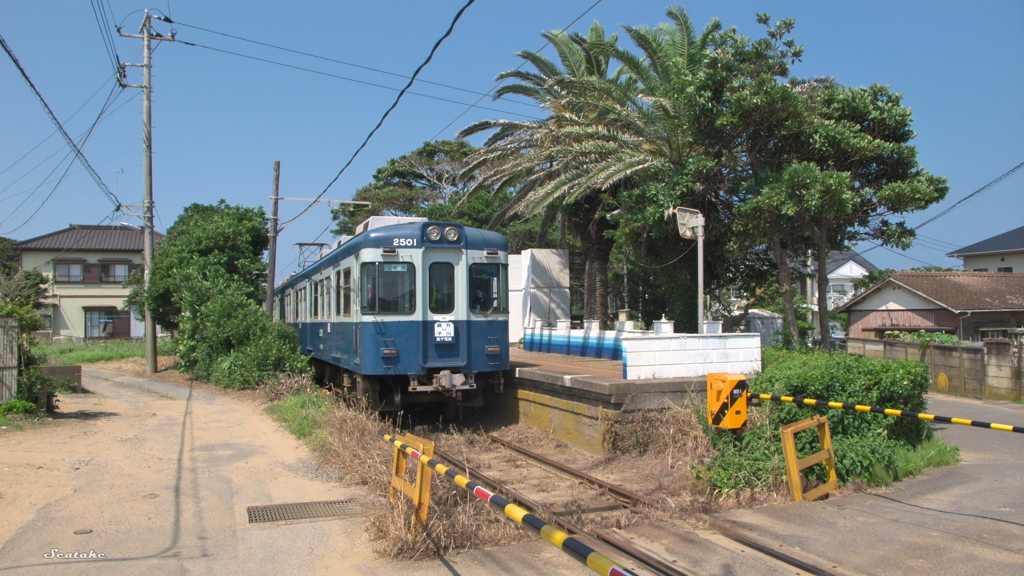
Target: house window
x,y
67,272
107,323
1005,269
113,272
838,288
980,270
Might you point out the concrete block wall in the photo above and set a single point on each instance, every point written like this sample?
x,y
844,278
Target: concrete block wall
x,y
647,355
990,371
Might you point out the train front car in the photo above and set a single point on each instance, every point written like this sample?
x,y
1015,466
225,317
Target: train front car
x,y
420,315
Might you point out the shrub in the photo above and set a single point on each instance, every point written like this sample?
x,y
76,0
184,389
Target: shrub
x,y
231,342
866,445
18,406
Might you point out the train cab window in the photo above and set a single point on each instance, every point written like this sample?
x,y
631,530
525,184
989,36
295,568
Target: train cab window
x,y
388,288
442,288
346,293
488,288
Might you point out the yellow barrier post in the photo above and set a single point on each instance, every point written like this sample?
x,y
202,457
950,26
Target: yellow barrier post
x,y
420,491
794,464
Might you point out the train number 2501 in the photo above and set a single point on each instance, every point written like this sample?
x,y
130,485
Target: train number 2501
x,y
404,242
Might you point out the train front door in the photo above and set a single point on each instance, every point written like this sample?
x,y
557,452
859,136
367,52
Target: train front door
x,y
445,330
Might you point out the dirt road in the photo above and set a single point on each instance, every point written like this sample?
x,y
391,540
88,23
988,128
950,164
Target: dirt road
x,y
155,477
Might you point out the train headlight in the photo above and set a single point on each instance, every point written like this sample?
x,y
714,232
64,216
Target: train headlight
x,y
434,233
451,234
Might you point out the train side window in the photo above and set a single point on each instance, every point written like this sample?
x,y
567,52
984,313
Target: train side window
x,y
442,288
388,288
488,288
316,300
346,293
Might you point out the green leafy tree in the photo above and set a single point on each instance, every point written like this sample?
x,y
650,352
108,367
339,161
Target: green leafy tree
x,y
10,261
207,242
207,283
21,295
410,185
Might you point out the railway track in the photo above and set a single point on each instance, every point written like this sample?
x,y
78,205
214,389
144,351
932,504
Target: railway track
x,y
565,496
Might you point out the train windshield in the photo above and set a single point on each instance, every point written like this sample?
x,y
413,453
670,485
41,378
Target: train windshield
x,y
388,288
488,288
442,288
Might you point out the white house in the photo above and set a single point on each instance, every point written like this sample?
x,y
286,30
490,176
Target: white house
x,y
1002,253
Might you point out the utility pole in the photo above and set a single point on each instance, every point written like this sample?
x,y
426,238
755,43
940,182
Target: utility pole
x,y
272,253
147,34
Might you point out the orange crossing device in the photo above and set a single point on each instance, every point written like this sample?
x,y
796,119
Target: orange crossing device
x,y
727,400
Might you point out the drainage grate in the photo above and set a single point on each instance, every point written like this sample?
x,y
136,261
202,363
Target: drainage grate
x,y
303,511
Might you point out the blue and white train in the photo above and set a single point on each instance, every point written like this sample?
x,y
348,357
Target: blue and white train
x,y
408,313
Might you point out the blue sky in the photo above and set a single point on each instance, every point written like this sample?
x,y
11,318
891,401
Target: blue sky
x,y
220,121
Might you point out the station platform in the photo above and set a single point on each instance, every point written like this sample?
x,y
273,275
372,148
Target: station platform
x,y
582,400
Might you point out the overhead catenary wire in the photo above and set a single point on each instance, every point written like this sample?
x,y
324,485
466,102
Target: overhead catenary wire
x,y
53,118
335,61
394,104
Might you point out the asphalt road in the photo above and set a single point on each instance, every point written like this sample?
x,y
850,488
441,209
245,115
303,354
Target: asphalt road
x,y
962,520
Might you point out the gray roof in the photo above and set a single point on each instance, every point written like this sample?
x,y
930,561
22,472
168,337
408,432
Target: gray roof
x,y
88,238
957,291
837,259
1006,242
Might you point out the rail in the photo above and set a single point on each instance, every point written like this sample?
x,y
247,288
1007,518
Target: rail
x,y
586,555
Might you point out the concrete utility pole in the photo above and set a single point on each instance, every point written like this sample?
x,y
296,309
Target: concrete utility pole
x,y
691,227
147,34
272,253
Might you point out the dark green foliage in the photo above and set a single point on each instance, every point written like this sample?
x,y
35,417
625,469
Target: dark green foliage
x,y
205,243
10,261
864,443
18,406
208,283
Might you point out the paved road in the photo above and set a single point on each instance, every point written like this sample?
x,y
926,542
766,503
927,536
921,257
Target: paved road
x,y
964,520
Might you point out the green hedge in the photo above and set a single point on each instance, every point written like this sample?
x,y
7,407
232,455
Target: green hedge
x,y
864,443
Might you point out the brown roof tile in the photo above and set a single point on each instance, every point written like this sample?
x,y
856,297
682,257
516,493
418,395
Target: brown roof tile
x,y
86,238
963,291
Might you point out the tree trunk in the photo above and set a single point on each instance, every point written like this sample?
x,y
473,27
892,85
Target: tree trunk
x,y
823,327
786,288
597,250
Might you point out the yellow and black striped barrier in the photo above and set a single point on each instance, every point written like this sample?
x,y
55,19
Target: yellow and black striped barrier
x,y
584,554
887,411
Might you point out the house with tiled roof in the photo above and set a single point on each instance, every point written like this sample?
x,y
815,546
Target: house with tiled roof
x,y
87,266
970,305
1001,253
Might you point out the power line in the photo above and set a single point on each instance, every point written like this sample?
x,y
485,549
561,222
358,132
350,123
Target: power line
x,y
101,13
394,104
332,60
53,118
114,93
488,93
80,108
345,78
1005,175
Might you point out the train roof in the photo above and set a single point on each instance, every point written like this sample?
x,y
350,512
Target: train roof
x,y
469,239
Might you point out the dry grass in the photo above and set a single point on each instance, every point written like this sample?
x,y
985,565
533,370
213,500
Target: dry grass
x,y
659,450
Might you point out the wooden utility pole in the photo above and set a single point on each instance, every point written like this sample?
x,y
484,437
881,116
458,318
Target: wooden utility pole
x,y
272,252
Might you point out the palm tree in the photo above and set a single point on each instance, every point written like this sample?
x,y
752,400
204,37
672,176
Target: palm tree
x,y
604,132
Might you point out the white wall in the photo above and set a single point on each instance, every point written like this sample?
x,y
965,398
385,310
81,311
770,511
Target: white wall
x,y
993,263
538,289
